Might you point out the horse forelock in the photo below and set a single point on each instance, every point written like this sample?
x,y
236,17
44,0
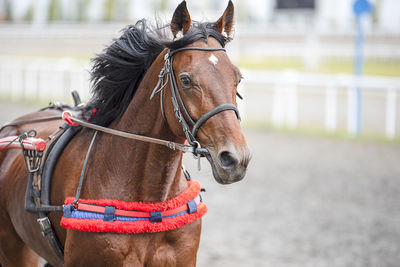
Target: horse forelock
x,y
119,69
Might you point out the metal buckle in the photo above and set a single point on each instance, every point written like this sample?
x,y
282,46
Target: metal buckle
x,y
32,160
171,145
45,224
195,155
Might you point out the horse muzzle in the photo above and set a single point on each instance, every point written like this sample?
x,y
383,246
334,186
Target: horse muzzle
x,y
229,165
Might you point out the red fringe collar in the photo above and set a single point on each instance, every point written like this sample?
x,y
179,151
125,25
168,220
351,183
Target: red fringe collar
x,y
140,226
190,193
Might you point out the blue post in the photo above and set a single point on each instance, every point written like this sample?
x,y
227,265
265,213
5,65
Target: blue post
x,y
358,71
360,7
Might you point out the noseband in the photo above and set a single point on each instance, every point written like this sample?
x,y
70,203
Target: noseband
x,y
180,110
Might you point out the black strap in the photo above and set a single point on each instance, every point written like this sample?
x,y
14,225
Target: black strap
x,y
52,159
211,113
177,110
177,95
78,191
173,52
31,194
76,97
50,236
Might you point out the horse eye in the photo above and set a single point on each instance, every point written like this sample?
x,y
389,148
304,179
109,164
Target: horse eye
x,y
237,82
185,80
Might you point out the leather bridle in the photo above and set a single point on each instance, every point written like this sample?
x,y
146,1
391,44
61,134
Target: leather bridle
x,y
181,112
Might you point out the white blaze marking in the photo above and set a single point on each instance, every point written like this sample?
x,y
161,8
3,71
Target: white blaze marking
x,y
213,59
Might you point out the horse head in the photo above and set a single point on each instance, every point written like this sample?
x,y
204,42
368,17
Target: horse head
x,y
206,87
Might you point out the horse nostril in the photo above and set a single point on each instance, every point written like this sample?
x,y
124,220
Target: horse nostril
x,y
227,159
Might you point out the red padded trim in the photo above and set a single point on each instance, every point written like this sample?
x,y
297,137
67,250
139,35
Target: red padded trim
x,y
190,193
129,213
29,143
99,225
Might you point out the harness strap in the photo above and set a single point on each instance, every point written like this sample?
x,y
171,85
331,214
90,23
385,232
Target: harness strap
x,y
181,119
50,236
82,206
175,91
173,52
78,191
46,174
52,159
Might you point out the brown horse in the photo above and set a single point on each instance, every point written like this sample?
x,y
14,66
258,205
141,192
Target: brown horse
x,y
124,77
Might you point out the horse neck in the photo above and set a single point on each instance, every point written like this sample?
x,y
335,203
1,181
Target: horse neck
x,y
133,170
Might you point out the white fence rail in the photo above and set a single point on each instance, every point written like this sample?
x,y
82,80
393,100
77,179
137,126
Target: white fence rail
x,y
288,86
42,78
282,98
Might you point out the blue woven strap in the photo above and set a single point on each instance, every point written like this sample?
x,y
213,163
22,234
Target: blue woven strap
x,y
109,214
155,216
192,206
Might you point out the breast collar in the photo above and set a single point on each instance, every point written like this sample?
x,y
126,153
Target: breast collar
x,y
108,215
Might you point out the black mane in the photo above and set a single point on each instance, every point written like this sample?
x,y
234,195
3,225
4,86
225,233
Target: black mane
x,y
118,71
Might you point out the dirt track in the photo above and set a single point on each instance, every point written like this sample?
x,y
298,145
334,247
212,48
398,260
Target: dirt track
x,y
305,202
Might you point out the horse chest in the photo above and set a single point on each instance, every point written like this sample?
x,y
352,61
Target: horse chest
x,y
147,255
164,255
174,248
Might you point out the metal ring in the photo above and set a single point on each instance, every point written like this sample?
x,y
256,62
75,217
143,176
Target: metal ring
x,y
196,145
31,133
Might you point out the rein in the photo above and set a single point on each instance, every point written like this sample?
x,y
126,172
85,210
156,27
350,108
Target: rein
x,y
172,145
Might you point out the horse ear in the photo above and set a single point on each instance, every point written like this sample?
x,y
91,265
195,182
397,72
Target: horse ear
x,y
225,23
180,20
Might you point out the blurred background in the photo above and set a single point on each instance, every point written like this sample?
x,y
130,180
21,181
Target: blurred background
x,y
298,56
321,111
